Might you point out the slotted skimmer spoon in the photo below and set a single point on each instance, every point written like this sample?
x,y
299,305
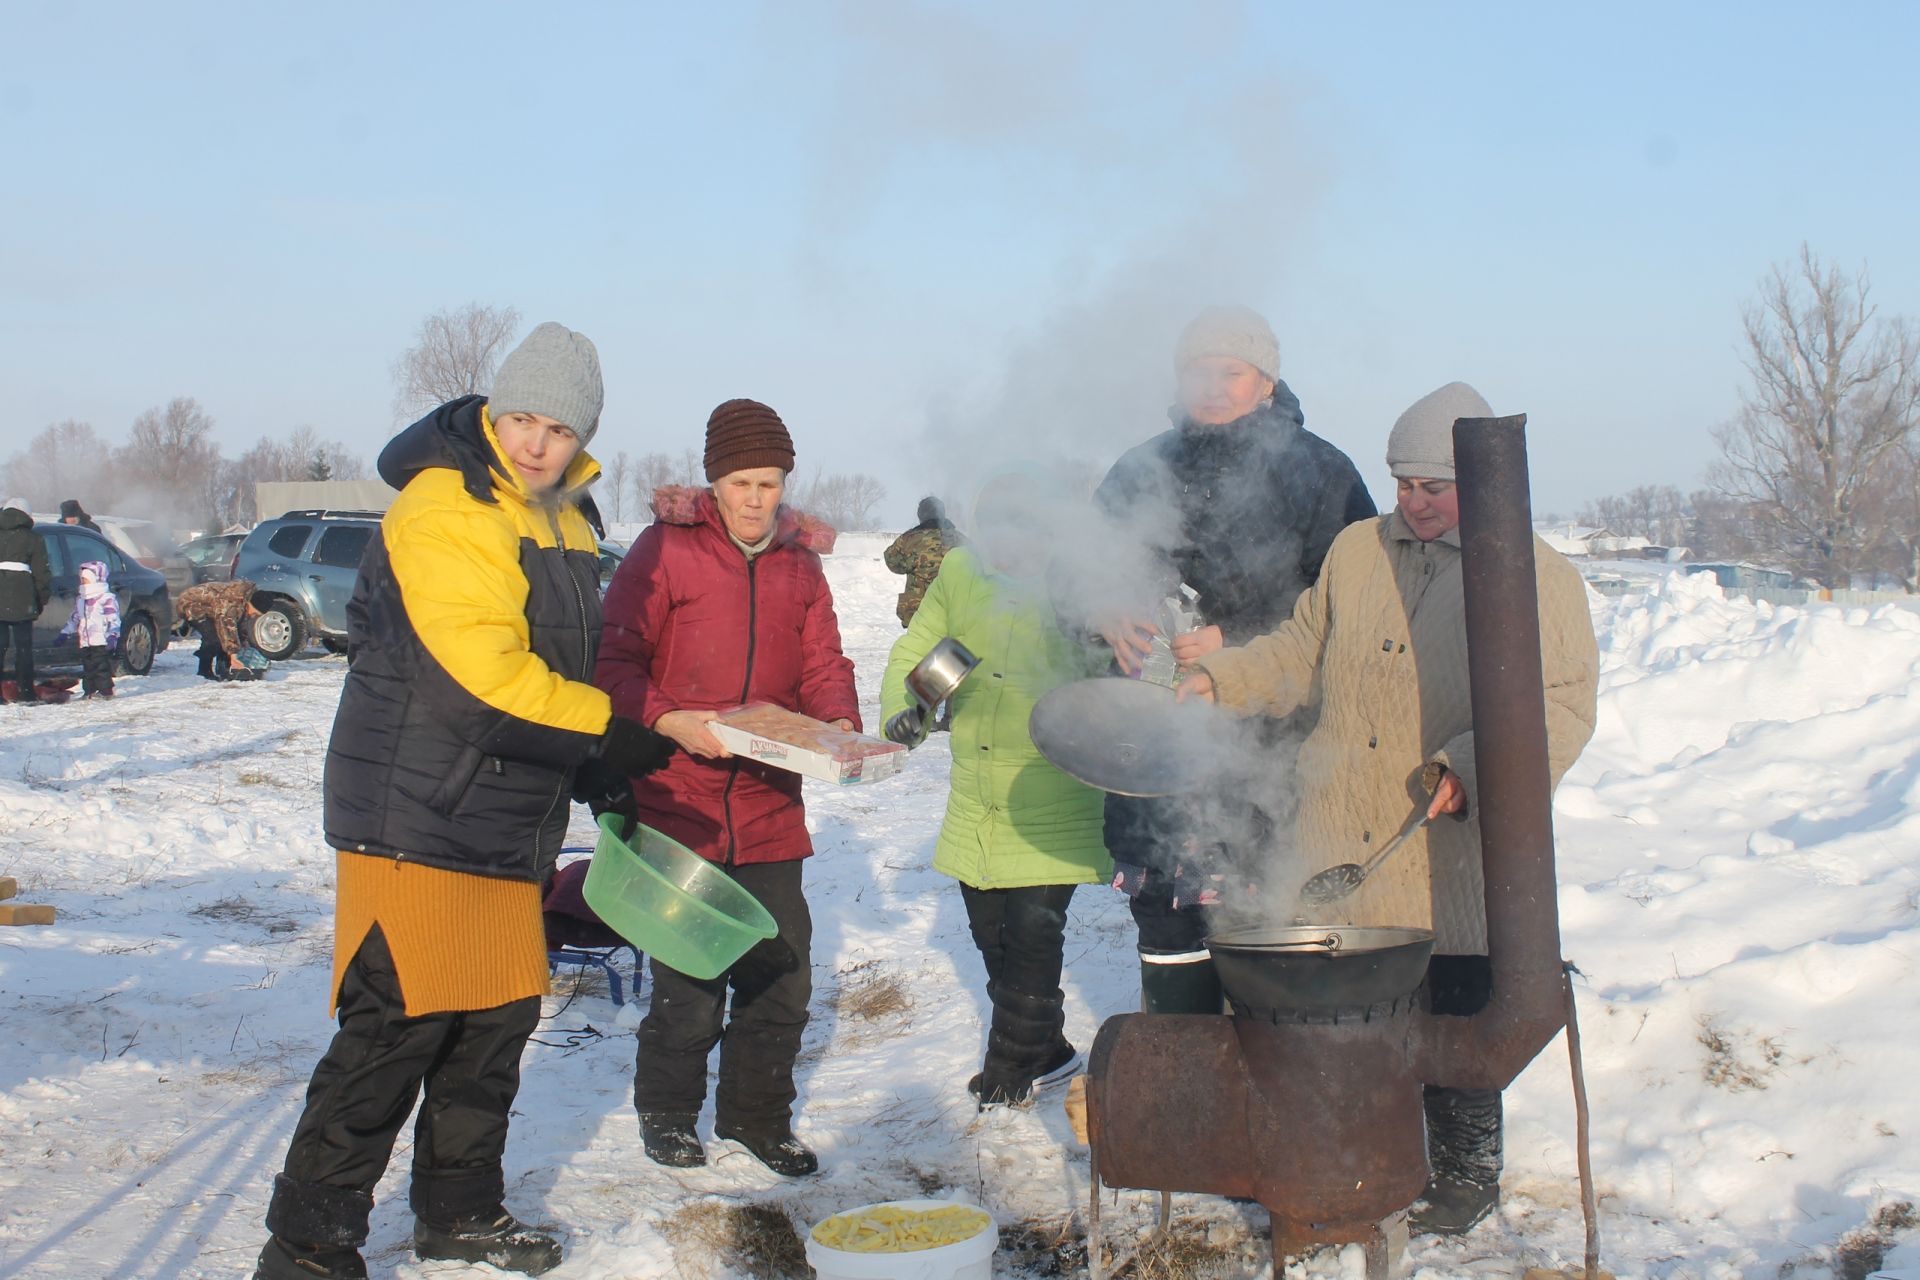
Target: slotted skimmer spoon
x,y
1337,882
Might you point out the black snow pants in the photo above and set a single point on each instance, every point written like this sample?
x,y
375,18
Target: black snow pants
x,y
19,636
1021,934
213,660
96,666
363,1091
1465,1138
758,1031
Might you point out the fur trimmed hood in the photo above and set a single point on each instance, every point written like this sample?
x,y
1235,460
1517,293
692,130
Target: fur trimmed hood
x,y
687,504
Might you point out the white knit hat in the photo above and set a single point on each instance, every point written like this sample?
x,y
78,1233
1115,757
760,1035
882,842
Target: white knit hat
x,y
1239,332
1421,446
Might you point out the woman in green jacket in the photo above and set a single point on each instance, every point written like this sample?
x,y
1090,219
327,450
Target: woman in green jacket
x,y
1019,835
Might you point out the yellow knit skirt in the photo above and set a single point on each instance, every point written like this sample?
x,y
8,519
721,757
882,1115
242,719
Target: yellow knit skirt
x,y
460,942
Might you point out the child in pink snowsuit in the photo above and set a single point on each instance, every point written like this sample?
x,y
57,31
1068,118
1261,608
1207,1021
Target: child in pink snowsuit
x,y
95,626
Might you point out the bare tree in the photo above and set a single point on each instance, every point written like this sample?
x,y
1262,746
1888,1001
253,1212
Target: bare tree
x,y
171,463
1833,399
1655,512
454,354
301,455
619,473
843,501
66,460
652,471
693,468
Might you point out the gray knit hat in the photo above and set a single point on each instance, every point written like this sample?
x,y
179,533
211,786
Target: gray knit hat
x,y
554,372
18,504
1421,446
1240,332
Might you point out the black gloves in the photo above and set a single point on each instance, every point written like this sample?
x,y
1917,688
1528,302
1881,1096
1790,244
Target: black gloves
x,y
907,727
604,782
633,749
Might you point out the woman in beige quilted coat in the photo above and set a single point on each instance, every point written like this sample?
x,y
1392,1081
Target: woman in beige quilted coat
x,y
1379,645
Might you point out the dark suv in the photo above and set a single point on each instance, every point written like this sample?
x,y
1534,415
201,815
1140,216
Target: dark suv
x,y
146,611
305,563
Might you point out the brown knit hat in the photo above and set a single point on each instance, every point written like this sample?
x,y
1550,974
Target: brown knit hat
x,y
744,434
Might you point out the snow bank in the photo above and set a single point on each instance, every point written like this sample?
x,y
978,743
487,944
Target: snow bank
x,y
1737,888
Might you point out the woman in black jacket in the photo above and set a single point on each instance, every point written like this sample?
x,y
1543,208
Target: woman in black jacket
x,y
25,586
1238,503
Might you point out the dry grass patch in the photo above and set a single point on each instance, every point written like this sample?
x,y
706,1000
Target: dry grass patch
x,y
1733,1063
869,992
1861,1251
1183,1253
757,1240
1058,1247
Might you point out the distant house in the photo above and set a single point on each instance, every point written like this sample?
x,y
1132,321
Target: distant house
x,y
1577,541
1740,575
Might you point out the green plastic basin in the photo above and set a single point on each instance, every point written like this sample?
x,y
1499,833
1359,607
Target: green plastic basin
x,y
672,903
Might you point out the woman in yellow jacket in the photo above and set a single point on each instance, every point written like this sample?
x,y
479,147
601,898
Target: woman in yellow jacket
x,y
468,720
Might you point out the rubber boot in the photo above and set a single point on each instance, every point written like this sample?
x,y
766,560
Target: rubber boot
x,y
1465,1142
501,1240
1184,982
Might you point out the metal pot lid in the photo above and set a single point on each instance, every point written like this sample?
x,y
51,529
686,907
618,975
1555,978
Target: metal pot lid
x,y
1132,737
1328,939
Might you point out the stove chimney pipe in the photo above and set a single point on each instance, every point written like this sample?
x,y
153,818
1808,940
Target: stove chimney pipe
x,y
1515,788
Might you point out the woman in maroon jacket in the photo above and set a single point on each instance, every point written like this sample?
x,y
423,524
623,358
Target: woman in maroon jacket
x,y
722,601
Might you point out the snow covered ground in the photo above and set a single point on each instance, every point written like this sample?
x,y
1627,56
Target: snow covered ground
x,y
1738,886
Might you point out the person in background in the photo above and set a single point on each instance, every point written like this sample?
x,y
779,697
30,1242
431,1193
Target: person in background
x,y
918,552
466,718
1239,502
1019,835
1378,650
71,512
95,626
26,584
720,602
217,612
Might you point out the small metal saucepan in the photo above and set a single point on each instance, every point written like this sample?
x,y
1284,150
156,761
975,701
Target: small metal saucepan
x,y
935,677
931,682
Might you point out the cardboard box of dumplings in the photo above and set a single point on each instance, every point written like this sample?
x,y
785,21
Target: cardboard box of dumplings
x,y
803,745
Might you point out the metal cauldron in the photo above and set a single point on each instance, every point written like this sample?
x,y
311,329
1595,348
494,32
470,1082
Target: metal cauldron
x,y
1274,969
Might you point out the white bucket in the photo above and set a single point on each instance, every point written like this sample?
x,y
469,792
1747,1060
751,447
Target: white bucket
x,y
969,1259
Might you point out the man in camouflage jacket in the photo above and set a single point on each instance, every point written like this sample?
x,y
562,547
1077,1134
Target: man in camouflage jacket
x,y
214,609
918,553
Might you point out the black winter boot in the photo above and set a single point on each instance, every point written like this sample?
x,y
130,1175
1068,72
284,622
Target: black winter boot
x,y
774,1146
285,1260
1064,1063
502,1241
1465,1148
1023,1043
670,1139
1169,984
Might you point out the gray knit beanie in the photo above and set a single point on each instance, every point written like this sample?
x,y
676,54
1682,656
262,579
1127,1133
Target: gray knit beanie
x,y
17,504
1421,446
1240,332
554,372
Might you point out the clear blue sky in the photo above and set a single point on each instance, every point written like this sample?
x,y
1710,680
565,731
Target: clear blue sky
x,y
926,229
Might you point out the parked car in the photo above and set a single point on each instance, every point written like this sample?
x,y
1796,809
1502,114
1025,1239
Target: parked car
x,y
146,610
212,556
151,545
611,554
304,563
